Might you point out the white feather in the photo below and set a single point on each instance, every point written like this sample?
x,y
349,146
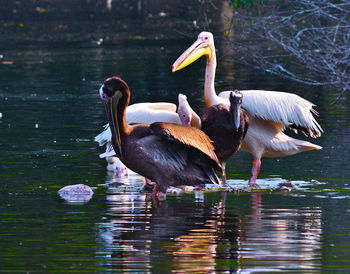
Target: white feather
x,y
104,136
281,107
149,116
101,91
156,106
109,151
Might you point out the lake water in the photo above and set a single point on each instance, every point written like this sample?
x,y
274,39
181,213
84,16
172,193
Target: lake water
x,y
53,59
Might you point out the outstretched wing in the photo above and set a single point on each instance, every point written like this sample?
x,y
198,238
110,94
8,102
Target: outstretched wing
x,y
189,136
159,149
281,107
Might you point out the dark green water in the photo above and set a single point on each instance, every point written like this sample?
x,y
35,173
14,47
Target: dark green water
x,y
53,58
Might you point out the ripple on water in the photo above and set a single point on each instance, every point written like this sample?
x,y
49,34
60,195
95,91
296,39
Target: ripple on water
x,y
208,235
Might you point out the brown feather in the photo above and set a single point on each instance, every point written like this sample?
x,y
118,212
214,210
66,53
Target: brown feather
x,y
189,136
217,123
167,154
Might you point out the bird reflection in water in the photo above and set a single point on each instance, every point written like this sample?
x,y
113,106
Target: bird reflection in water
x,y
232,234
282,238
139,233
197,250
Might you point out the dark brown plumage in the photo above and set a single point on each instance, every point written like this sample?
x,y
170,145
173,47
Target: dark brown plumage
x,y
226,126
168,154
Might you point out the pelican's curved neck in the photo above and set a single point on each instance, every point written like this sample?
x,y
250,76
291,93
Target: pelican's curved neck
x,y
210,96
119,128
121,113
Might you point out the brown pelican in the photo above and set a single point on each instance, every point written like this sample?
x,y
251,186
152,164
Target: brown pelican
x,y
226,126
270,112
168,154
147,112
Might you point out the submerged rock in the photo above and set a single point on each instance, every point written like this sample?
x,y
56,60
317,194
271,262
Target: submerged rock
x,y
286,186
79,193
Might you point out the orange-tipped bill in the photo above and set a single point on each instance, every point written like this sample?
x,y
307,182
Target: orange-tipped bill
x,y
198,49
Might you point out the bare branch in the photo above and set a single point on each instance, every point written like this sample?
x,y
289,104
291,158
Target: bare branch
x,y
314,33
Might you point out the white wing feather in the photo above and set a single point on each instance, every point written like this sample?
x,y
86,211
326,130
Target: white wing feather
x,y
281,107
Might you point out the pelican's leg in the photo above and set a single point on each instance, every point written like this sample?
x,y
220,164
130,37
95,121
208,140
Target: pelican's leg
x,y
255,172
149,182
223,178
149,186
155,193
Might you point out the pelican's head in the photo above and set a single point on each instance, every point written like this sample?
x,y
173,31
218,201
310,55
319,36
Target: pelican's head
x,y
111,86
186,114
235,108
204,45
115,96
184,110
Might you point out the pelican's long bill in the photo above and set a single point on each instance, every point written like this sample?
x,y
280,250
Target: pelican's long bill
x,y
197,50
236,101
237,117
114,119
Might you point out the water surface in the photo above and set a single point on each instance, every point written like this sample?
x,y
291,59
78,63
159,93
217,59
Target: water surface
x,y
52,64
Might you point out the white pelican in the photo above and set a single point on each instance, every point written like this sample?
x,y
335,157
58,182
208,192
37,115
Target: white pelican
x,y
186,114
269,111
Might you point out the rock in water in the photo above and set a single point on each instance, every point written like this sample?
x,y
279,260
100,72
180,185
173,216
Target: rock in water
x,y
79,193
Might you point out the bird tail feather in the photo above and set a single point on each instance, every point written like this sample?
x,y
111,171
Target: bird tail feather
x,y
305,146
104,137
